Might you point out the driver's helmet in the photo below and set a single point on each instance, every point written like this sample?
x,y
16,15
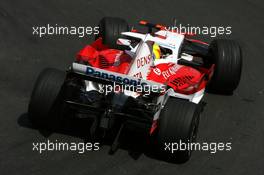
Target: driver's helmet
x,y
156,51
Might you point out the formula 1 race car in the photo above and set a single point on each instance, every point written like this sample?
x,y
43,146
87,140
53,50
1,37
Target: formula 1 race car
x,y
152,81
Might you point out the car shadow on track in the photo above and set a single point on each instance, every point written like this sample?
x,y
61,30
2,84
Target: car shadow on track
x,y
136,144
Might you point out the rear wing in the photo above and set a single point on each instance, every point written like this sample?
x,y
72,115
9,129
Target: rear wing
x,y
108,77
151,26
162,27
142,36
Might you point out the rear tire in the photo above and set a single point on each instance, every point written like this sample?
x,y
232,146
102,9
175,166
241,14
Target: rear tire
x,y
178,123
227,57
110,29
44,104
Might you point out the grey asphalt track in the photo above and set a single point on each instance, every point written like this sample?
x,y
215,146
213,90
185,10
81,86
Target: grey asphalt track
x,y
238,119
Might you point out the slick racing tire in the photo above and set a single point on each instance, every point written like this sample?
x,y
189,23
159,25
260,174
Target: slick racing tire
x,y
227,57
178,125
44,105
110,29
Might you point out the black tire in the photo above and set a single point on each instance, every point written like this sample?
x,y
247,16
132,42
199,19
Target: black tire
x,y
227,57
45,103
110,29
178,123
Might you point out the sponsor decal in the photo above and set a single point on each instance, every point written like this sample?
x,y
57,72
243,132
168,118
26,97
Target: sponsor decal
x,y
114,77
157,71
138,75
180,81
143,61
170,71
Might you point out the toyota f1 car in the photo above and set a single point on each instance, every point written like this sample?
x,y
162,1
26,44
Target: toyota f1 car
x,y
153,81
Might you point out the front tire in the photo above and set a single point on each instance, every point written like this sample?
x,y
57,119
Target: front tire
x,y
45,103
110,29
227,57
178,123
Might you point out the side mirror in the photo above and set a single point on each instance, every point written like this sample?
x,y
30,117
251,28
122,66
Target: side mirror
x,y
123,42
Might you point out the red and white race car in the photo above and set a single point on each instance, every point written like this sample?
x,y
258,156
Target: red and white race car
x,y
153,81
